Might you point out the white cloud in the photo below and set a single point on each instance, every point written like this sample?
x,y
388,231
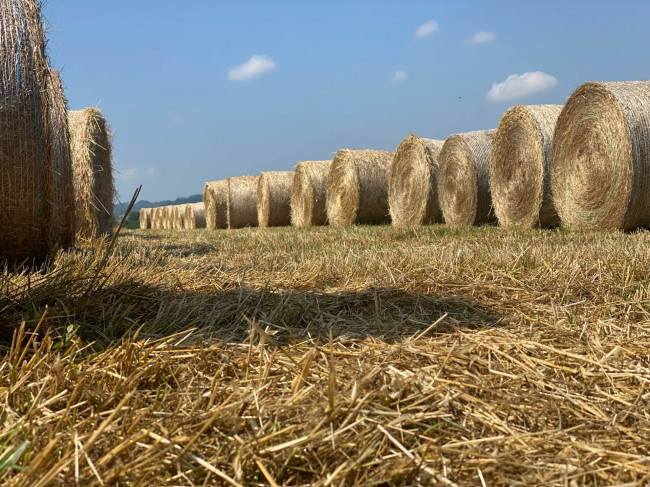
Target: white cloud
x,y
127,175
399,76
482,37
520,85
427,29
255,66
152,171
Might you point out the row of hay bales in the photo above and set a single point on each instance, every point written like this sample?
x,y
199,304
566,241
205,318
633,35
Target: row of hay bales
x,y
586,164
174,217
56,182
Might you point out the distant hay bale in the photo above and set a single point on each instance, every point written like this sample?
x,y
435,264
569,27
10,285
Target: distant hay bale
x,y
600,172
215,198
520,166
194,216
308,193
145,218
167,218
413,182
157,218
178,216
242,202
357,187
274,198
32,193
463,178
92,169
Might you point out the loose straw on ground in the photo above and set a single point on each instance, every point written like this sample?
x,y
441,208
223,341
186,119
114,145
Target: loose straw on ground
x,y
215,198
274,198
194,216
600,175
308,193
412,182
357,187
463,178
242,202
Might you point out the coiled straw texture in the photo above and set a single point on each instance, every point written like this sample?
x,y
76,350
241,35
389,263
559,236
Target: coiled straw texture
x,y
242,202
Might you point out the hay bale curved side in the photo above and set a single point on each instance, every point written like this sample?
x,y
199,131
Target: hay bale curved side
x,y
215,198
167,218
357,187
178,216
309,193
600,172
145,218
194,216
157,218
413,182
520,166
463,178
274,198
92,169
242,202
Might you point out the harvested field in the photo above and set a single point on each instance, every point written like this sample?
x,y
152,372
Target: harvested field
x,y
274,198
308,193
331,356
215,198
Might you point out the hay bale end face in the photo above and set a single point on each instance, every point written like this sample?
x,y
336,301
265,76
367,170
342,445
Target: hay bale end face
x,y
412,182
274,198
463,178
194,216
309,192
242,202
357,187
215,198
520,166
600,171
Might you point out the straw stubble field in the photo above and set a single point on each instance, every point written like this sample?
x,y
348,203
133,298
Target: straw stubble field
x,y
331,356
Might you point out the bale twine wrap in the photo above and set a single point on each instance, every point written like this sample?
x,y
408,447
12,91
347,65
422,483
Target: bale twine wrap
x,y
413,182
178,216
194,216
32,193
274,198
520,166
357,187
92,169
308,193
145,218
242,202
600,175
215,198
463,178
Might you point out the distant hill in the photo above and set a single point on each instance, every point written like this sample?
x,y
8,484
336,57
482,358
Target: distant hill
x,y
120,208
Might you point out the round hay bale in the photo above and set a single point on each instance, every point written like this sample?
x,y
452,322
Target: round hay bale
x,y
520,166
600,174
215,198
178,214
92,169
242,202
357,187
463,178
274,198
145,218
167,218
413,182
194,216
32,196
308,193
157,218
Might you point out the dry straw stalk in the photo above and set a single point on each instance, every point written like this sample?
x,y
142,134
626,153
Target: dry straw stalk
x,y
145,218
215,198
242,202
274,198
463,178
413,182
600,176
194,216
357,187
308,193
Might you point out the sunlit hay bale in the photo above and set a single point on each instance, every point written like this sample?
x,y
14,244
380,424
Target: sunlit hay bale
x,y
520,166
157,218
167,217
178,216
600,171
412,182
32,198
194,216
92,169
308,193
145,218
357,187
463,178
274,198
242,202
215,198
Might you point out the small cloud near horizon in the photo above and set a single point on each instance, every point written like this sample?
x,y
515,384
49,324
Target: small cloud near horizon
x,y
127,175
521,85
481,37
399,76
255,66
427,29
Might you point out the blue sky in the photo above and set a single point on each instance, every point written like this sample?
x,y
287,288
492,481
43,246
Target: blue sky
x,y
201,90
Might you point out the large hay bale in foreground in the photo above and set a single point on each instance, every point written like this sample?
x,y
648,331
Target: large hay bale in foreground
x,y
309,193
413,182
520,166
215,198
92,169
194,216
463,178
242,202
145,218
274,198
600,172
32,193
357,187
